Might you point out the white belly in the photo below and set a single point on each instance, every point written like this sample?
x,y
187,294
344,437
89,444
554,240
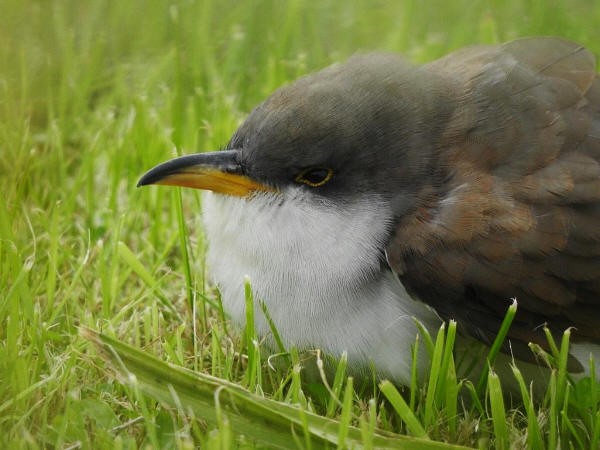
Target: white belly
x,y
319,272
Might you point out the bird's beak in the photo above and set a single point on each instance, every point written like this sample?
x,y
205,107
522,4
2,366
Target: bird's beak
x,y
216,171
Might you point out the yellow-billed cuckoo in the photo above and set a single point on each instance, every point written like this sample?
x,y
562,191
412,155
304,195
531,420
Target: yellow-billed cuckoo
x,y
375,191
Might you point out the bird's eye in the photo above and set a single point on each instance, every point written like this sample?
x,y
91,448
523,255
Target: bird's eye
x,y
314,176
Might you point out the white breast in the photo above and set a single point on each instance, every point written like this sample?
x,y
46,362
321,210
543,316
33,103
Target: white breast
x,y
317,266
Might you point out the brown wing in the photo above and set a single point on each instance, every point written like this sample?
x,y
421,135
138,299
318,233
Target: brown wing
x,y
519,213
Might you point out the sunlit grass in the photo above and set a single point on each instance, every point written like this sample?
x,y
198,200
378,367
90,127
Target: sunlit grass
x,y
92,94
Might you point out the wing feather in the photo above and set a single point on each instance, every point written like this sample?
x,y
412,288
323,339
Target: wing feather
x,y
519,216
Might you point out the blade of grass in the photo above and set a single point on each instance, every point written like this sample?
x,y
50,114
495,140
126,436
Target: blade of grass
x,y
452,391
272,327
367,425
414,376
346,414
402,409
253,371
338,382
475,398
434,378
553,412
426,337
183,245
447,356
268,422
563,357
534,436
594,413
568,424
497,345
498,411
551,344
134,263
568,430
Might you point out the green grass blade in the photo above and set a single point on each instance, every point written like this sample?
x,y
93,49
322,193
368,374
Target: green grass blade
x,y
338,382
431,407
346,415
367,425
561,378
497,345
552,439
267,422
498,411
594,413
414,376
183,244
273,327
534,436
446,357
568,431
426,337
568,424
136,265
451,399
253,371
554,351
402,409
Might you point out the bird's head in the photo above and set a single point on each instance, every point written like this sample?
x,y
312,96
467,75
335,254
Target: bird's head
x,y
366,127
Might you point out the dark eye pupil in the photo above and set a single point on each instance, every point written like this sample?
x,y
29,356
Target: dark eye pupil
x,y
315,175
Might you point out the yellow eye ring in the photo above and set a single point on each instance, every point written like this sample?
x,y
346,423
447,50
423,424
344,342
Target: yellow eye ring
x,y
314,176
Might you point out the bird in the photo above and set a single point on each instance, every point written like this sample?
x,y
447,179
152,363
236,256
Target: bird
x,y
376,191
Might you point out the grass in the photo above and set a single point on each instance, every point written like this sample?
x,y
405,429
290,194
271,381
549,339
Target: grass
x,y
92,94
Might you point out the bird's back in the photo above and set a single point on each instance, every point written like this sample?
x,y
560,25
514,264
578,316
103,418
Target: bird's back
x,y
518,215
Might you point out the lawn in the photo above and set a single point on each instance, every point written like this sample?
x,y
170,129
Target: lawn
x,y
93,93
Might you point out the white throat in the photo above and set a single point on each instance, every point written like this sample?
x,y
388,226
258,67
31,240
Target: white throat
x,y
317,267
